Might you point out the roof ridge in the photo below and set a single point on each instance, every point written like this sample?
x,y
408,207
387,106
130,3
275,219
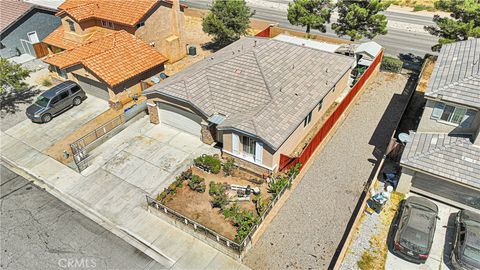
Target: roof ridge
x,y
263,75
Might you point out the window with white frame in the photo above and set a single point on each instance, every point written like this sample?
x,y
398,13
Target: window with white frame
x,y
307,120
248,145
453,114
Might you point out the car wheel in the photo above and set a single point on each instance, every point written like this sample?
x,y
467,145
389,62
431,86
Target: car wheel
x,y
46,118
77,101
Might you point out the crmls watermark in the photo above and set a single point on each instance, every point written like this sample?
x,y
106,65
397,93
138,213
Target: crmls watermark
x,y
80,263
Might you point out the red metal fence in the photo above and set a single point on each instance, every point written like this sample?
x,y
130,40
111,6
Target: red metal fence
x,y
286,161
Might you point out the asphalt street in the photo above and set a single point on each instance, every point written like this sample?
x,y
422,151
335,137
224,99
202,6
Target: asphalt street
x,y
38,231
403,39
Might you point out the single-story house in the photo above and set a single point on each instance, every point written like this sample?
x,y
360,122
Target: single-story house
x,y
257,98
22,25
111,67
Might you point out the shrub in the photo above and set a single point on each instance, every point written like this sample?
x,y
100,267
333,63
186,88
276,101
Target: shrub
x,y
46,82
260,204
229,166
231,211
220,198
186,175
294,170
208,163
276,185
244,221
197,183
391,64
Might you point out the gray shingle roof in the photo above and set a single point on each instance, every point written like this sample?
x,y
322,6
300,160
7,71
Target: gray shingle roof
x,y
265,87
457,73
455,158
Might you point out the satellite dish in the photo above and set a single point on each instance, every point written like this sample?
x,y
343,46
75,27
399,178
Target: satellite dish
x,y
404,137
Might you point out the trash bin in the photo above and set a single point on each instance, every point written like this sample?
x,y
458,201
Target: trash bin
x,y
192,50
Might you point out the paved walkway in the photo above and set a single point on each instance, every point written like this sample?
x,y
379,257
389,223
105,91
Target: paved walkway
x,y
307,230
116,205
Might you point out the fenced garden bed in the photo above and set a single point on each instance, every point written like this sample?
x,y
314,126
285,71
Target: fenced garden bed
x,y
217,199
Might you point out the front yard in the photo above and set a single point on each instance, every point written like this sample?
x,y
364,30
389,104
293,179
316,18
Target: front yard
x,y
219,195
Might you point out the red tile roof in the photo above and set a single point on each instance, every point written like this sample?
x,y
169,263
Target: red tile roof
x,y
114,58
12,10
128,12
57,38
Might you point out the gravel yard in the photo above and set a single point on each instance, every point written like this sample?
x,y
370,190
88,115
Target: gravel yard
x,y
309,227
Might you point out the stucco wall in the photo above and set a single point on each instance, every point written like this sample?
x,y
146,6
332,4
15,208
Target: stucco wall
x,y
82,31
267,155
160,27
42,22
427,124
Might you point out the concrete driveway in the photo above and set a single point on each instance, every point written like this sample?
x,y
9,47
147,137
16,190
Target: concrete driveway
x,y
41,136
147,156
441,247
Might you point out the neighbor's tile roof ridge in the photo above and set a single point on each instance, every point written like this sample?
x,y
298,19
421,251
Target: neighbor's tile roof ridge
x,y
455,158
128,12
114,58
456,76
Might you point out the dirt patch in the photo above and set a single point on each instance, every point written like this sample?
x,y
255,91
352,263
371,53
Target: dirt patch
x,y
427,72
197,206
194,35
56,150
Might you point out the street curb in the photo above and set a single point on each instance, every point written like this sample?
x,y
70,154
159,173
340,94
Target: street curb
x,y
130,238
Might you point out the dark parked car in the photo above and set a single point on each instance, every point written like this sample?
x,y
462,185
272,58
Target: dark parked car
x,y
54,101
416,223
466,247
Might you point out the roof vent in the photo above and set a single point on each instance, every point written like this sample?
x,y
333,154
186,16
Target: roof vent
x,y
254,43
326,70
293,66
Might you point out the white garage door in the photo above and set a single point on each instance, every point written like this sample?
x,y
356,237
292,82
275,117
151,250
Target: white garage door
x,y
92,87
180,119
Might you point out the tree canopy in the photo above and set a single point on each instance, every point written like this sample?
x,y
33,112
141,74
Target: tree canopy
x,y
227,20
12,76
310,13
464,21
361,18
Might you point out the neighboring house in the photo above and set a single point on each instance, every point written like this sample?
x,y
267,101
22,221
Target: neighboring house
x,y
257,98
443,155
156,22
22,25
111,67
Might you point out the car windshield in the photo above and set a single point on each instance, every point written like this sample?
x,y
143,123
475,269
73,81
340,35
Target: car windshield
x,y
42,101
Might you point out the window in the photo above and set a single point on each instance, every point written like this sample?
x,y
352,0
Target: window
x,y
71,24
63,95
33,37
320,104
140,24
307,119
55,100
248,145
75,89
452,114
107,24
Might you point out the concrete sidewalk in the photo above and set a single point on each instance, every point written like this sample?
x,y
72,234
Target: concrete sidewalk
x,y
117,206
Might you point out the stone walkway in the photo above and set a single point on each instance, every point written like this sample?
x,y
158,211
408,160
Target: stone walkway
x,y
309,227
116,205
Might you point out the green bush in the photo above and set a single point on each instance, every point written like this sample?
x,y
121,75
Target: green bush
x,y
423,7
217,191
208,163
391,64
294,170
276,185
229,166
46,82
197,183
244,220
186,175
260,204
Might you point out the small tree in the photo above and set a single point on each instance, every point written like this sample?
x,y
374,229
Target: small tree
x,y
310,13
227,20
464,21
358,19
12,76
